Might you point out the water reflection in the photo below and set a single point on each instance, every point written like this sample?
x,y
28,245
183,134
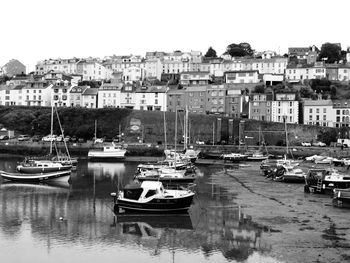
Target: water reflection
x,y
104,169
80,215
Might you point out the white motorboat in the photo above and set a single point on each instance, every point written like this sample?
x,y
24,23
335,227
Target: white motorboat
x,y
108,152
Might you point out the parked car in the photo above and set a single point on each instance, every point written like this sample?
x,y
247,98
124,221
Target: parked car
x,y
319,144
81,140
67,138
23,137
306,144
49,138
74,139
4,137
36,138
200,142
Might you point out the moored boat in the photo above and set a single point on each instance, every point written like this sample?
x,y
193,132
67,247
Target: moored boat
x,y
325,180
292,175
151,197
234,157
108,152
36,177
42,166
166,175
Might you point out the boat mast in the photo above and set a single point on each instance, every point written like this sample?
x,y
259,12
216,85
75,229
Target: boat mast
x,y
95,130
186,129
285,128
164,122
62,132
51,128
175,135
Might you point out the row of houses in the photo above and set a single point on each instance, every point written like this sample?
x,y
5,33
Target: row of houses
x,y
229,99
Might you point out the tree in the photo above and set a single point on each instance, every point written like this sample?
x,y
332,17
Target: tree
x,y
330,52
211,53
239,50
259,89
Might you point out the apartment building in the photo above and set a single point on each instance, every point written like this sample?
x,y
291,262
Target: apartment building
x,y
215,102
285,108
260,106
196,99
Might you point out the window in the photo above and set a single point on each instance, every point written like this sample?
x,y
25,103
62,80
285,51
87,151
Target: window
x,y
156,101
317,110
324,110
310,110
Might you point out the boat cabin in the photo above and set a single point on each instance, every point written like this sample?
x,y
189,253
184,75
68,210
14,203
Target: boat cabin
x,y
136,191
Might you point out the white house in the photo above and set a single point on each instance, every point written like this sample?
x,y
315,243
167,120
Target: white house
x,y
152,98
132,74
109,95
67,66
36,93
92,70
319,112
11,95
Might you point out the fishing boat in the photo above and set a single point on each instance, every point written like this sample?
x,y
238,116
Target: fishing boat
x,y
151,197
341,197
114,151
325,180
36,177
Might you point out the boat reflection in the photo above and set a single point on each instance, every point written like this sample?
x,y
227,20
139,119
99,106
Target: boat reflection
x,y
106,169
50,186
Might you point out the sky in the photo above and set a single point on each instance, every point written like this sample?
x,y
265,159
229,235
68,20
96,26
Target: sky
x,y
41,29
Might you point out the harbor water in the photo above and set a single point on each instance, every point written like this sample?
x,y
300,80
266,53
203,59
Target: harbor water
x,y
237,216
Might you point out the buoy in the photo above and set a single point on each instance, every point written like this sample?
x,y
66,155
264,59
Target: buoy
x,y
61,217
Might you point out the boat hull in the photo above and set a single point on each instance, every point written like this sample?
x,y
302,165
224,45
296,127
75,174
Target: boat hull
x,y
156,205
100,155
36,177
36,170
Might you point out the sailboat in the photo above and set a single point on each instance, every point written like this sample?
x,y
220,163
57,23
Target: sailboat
x,y
188,154
258,155
50,163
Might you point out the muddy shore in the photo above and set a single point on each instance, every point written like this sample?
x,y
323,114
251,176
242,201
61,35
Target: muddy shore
x,y
302,227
